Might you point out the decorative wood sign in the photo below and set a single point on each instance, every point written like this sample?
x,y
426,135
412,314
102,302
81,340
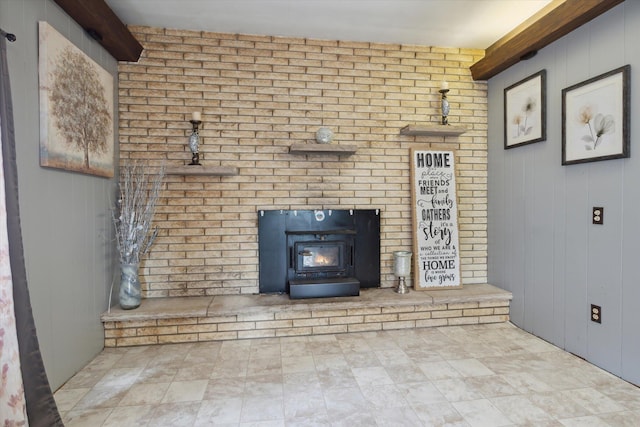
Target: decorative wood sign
x,y
435,220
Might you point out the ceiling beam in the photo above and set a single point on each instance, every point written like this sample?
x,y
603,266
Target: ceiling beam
x,y
99,21
557,19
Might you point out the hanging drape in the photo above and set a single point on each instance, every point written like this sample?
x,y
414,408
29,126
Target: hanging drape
x,y
25,395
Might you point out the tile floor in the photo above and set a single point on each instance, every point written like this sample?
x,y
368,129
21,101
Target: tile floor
x,y
478,375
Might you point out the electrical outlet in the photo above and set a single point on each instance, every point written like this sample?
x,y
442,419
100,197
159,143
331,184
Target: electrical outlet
x,y
596,313
598,215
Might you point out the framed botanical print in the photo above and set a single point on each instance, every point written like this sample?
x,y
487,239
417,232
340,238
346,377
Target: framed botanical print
x,y
595,118
525,107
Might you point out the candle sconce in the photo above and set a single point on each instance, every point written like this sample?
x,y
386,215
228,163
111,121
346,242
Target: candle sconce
x,y
194,140
445,103
401,269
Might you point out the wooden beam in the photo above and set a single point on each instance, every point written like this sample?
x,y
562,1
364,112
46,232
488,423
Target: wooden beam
x,y
559,18
97,19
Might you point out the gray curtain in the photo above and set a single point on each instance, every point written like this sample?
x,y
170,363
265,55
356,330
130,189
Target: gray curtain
x,y
41,406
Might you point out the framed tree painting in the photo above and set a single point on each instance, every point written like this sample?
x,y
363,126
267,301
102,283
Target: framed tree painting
x,y
595,118
525,109
436,253
76,108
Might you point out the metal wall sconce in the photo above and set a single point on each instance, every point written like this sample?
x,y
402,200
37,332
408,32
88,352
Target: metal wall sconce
x,y
444,89
194,139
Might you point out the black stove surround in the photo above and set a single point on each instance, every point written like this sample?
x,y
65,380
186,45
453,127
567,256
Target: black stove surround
x,y
318,253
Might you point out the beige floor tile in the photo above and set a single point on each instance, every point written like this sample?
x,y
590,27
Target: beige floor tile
x,y
129,416
144,394
440,415
304,405
221,388
470,368
182,414
296,364
457,389
521,410
67,398
264,385
481,413
86,417
185,391
463,376
396,416
219,412
422,393
262,408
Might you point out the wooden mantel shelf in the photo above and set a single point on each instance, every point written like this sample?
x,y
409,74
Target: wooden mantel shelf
x,y
322,149
202,170
432,130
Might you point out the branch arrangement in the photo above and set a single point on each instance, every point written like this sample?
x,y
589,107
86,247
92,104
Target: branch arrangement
x,y
132,218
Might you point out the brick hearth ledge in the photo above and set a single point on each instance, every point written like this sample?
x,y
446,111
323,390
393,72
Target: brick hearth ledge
x,y
232,317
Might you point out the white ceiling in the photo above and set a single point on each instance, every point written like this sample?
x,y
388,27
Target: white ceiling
x,y
443,23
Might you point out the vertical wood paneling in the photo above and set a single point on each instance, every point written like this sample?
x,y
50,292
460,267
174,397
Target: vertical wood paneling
x,y
516,243
529,223
576,211
630,242
604,267
571,263
606,189
542,218
68,265
555,82
496,185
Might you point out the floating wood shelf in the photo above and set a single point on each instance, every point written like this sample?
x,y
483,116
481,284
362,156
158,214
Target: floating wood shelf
x,y
432,130
202,170
346,150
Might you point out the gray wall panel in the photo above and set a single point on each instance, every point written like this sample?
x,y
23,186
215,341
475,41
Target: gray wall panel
x,y
69,266
604,266
540,307
576,261
568,262
555,82
630,244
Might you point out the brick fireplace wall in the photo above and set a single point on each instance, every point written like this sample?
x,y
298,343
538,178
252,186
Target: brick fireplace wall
x,y
258,95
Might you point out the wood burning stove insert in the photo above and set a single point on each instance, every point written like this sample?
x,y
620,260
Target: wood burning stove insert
x,y
310,254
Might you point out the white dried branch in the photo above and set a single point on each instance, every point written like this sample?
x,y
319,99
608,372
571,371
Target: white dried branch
x,y
139,191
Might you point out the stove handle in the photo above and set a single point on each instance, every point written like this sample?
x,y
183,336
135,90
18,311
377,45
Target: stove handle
x,y
291,257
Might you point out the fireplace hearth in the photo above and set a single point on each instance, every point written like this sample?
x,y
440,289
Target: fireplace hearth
x,y
318,253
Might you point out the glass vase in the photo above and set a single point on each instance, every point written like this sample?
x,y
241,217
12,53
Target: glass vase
x,y
130,294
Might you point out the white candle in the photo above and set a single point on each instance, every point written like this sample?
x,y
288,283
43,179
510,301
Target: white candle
x,y
196,117
444,85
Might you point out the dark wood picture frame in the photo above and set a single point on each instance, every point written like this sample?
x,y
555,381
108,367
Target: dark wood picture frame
x,y
595,118
525,111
